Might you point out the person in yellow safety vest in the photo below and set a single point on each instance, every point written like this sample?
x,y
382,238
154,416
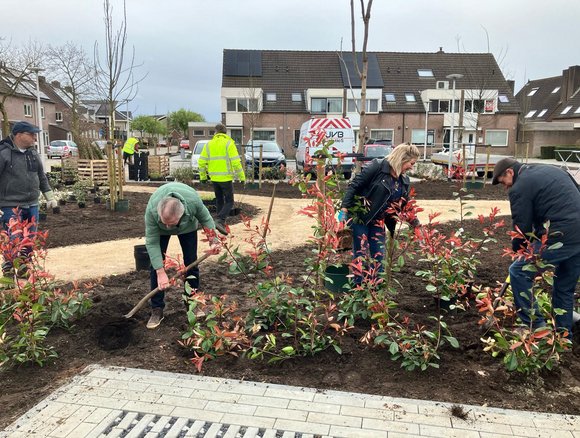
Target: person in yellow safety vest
x,y
129,148
220,163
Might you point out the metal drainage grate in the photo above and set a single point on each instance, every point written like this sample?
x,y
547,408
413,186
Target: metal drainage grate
x,y
138,425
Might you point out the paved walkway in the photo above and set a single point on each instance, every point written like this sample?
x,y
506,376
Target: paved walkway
x,y
124,402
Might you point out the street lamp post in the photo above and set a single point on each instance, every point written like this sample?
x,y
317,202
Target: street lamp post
x,y
41,151
453,77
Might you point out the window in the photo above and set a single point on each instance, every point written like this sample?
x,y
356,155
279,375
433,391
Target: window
x,y
410,97
296,137
565,110
27,110
530,114
577,110
555,90
372,105
390,97
58,116
442,106
42,112
212,132
533,91
418,136
496,137
541,114
236,135
425,72
265,134
198,132
503,98
442,85
489,106
242,105
478,106
271,97
382,134
46,137
296,97
326,105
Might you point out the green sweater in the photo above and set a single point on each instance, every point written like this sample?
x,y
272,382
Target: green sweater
x,y
195,213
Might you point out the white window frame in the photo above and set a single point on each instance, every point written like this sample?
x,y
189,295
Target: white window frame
x,y
327,102
533,91
351,106
271,130
555,90
198,132
46,137
442,85
42,112
503,98
566,110
58,116
530,114
410,97
390,98
27,110
425,72
497,131
296,97
541,113
377,134
577,110
270,97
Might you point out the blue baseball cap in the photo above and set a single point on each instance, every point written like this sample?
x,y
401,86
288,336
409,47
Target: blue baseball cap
x,y
20,127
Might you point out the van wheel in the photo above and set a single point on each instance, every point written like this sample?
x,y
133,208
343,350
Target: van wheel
x,y
347,175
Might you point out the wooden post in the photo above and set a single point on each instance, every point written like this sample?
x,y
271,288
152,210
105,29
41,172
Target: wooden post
x,y
488,153
474,163
465,163
112,176
121,174
260,166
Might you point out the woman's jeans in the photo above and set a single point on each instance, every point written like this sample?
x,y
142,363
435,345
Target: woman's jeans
x,y
368,240
188,242
567,271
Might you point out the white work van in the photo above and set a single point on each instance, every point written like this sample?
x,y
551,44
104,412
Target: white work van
x,y
337,129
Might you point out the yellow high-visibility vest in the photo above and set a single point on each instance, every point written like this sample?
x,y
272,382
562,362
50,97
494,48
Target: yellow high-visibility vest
x,y
129,146
219,160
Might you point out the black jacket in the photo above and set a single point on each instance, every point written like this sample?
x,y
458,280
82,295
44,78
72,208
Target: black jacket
x,y
373,184
542,193
22,177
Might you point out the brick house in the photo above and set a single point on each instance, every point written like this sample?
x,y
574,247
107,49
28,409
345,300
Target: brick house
x,y
551,111
268,94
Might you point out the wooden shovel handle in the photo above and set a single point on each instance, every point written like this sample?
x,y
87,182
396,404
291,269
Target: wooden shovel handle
x,y
154,291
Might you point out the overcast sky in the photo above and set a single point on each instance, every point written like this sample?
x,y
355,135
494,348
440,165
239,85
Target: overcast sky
x,y
180,42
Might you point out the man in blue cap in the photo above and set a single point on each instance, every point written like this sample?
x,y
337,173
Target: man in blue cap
x,y
22,178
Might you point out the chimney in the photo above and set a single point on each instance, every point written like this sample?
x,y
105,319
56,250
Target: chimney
x,y
570,82
441,50
41,79
512,84
55,84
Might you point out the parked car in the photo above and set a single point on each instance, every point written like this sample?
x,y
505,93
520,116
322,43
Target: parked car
x,y
272,155
184,144
195,154
162,143
62,148
101,144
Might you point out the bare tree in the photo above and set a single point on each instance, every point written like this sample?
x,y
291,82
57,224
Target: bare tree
x,y
115,70
70,65
16,63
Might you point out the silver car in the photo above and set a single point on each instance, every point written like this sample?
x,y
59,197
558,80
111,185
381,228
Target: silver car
x,y
62,148
195,154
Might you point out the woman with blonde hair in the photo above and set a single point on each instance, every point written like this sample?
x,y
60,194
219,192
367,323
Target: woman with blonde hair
x,y
369,195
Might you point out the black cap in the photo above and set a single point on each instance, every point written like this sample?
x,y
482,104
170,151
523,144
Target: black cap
x,y
20,127
501,166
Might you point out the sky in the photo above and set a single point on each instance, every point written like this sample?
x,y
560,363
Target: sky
x,y
180,43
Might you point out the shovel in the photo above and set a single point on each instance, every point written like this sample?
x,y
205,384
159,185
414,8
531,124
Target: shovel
x,y
154,291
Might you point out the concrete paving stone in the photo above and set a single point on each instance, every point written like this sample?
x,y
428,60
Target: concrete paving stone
x,y
567,422
434,420
337,399
271,433
337,420
43,426
127,420
206,385
441,409
186,402
251,432
458,423
232,431
236,388
352,432
104,424
288,435
153,380
266,401
301,426
234,408
355,411
194,429
127,394
293,394
97,415
160,424
314,407
437,431
496,435
542,433
215,396
71,422
82,429
391,405
290,414
171,390
112,373
177,428
116,432
402,435
65,411
147,407
213,431
126,384
198,414
138,429
243,420
102,402
389,426
512,418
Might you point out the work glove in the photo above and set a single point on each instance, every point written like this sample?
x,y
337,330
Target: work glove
x,y
203,181
50,200
342,216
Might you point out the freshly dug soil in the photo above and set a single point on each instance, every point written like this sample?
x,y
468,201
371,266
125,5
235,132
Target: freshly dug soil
x,y
466,375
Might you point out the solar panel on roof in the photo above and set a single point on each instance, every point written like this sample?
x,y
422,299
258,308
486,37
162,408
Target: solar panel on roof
x,y
247,63
350,76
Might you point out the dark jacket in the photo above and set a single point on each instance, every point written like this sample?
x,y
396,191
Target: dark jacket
x,y
374,185
22,176
542,193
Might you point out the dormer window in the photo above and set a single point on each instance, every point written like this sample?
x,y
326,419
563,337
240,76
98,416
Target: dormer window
x,y
503,98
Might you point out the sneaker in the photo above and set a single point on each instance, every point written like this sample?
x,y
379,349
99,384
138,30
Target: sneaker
x,y
221,227
155,318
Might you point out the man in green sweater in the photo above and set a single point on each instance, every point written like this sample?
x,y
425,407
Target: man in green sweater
x,y
174,209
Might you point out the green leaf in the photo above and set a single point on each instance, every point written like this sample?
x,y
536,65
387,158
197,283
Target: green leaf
x,y
394,348
452,341
512,361
288,350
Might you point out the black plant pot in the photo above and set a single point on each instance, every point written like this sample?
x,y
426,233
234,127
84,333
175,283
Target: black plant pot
x,y
56,210
62,201
97,200
81,204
